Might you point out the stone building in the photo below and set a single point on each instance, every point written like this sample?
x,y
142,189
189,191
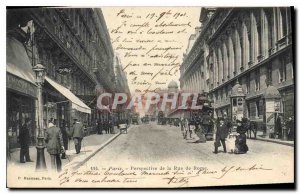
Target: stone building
x,y
242,51
121,86
74,47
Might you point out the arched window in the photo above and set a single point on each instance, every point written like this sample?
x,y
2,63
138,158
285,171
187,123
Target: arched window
x,y
231,56
225,62
220,63
254,39
246,46
216,68
264,34
282,22
238,54
271,26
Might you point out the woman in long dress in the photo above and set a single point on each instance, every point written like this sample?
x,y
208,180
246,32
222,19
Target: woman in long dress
x,y
241,140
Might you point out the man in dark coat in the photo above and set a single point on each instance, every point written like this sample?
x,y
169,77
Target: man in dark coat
x,y
99,126
24,139
65,136
227,122
112,125
54,144
77,134
291,128
278,127
221,134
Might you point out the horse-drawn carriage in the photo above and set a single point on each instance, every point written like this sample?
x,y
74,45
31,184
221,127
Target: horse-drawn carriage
x,y
202,123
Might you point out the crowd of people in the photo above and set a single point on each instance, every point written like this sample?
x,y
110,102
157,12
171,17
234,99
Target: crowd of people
x,y
233,132
107,126
56,139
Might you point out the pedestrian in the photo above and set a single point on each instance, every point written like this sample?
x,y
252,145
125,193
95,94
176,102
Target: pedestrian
x,y
105,126
24,139
221,134
227,122
291,128
206,122
112,124
240,142
99,126
54,144
185,125
182,125
65,135
231,142
278,127
77,133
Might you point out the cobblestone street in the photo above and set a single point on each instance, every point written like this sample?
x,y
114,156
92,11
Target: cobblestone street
x,y
164,145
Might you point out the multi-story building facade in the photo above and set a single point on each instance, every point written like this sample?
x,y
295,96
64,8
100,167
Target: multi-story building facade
x,y
121,86
74,47
249,48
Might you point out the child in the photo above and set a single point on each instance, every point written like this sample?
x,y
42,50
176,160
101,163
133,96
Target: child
x,y
231,142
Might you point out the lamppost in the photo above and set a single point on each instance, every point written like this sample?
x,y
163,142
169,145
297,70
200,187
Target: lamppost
x,y
40,78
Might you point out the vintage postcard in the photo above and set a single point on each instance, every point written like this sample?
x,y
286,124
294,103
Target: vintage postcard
x,y
149,97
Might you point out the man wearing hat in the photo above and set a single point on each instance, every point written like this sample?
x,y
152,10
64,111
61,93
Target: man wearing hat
x,y
24,139
221,134
227,121
77,133
54,144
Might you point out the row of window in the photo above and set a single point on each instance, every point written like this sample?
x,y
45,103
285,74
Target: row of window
x,y
82,34
284,69
75,83
248,46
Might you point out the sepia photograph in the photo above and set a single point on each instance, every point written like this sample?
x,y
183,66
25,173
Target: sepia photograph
x,y
150,97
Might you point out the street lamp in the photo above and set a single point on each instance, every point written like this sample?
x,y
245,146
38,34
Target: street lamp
x,y
40,78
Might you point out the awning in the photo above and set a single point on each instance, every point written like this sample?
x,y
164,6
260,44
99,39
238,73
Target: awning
x,y
20,76
77,104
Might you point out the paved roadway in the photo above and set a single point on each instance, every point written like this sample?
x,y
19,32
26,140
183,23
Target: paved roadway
x,y
156,145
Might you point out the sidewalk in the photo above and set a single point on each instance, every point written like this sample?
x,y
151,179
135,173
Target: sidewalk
x,y
90,146
260,137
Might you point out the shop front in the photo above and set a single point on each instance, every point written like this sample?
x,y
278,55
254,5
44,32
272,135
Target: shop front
x,y
21,92
61,104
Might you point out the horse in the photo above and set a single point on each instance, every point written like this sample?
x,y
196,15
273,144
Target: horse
x,y
251,127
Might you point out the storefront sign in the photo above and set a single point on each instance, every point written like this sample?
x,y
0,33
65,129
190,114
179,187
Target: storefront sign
x,y
20,85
